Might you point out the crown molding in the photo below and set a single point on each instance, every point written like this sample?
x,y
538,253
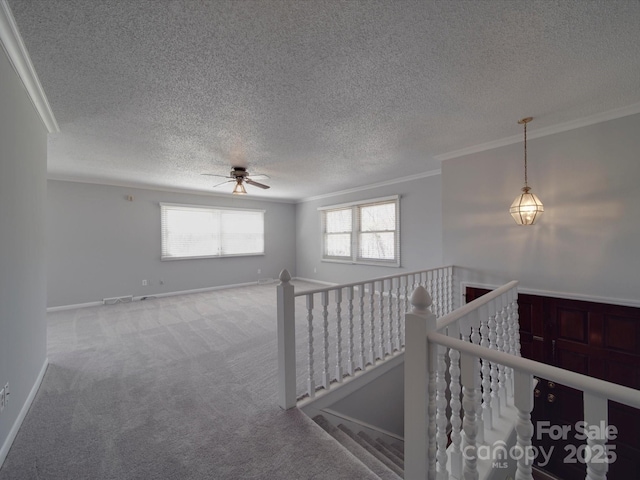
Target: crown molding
x,y
430,173
158,188
16,51
543,132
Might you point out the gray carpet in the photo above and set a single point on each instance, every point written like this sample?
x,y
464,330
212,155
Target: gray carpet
x,y
172,388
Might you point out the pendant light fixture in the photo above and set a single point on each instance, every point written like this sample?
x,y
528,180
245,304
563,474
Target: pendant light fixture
x,y
239,188
527,207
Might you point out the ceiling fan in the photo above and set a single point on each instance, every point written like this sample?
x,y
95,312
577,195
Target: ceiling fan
x,y
239,175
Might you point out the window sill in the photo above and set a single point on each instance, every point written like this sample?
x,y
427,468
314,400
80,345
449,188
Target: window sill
x,y
170,259
367,263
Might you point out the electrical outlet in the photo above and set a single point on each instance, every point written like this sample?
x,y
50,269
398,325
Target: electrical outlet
x,y
259,271
144,283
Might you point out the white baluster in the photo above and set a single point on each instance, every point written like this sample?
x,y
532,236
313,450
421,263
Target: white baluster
x,y
469,367
500,346
363,356
512,321
372,309
338,297
487,417
523,401
390,308
429,284
495,396
311,381
508,344
350,364
441,301
596,414
449,290
398,315
382,315
516,322
324,300
474,320
441,415
455,404
431,409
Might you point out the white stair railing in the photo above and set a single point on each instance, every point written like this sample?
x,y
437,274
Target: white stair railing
x,y
349,327
464,333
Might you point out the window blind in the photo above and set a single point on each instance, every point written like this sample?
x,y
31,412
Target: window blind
x,y
377,233
194,231
338,229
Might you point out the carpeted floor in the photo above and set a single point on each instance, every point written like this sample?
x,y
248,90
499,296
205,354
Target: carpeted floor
x,y
179,387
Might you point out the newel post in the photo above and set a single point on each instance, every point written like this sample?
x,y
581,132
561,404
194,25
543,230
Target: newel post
x,y
418,362
286,342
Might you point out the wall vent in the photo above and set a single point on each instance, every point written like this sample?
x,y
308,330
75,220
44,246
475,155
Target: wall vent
x,y
114,300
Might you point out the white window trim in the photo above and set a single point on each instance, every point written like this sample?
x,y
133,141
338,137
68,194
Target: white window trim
x,y
354,260
208,207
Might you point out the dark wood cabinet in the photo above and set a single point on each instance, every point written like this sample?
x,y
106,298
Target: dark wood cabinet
x,y
595,339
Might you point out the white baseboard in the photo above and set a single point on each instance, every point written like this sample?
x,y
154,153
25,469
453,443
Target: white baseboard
x,y
195,290
23,413
72,307
153,295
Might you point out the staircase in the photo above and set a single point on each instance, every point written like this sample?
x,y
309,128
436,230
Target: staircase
x,y
384,459
464,374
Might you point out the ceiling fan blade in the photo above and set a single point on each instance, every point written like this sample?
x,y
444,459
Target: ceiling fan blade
x,y
256,184
216,175
222,183
260,176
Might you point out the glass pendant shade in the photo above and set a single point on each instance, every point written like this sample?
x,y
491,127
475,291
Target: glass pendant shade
x,y
239,189
526,208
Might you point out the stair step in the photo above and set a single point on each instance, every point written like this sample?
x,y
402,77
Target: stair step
x,y
399,452
399,446
361,453
539,474
381,457
386,452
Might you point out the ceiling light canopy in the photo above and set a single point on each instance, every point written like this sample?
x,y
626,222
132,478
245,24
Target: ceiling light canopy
x,y
527,207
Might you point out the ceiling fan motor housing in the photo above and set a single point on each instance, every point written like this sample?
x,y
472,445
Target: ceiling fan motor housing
x,y
239,172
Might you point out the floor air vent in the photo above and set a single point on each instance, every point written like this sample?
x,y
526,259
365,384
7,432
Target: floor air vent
x,y
114,300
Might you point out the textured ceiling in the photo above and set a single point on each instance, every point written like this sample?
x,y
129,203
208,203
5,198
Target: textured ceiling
x,y
320,95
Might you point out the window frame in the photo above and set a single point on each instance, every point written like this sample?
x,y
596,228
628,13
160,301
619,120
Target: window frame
x,y
355,258
216,210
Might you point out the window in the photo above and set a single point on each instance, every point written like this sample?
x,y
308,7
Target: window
x,y
363,232
190,231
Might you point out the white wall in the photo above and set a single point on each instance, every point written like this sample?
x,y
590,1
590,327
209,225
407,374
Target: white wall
x,y
585,244
420,232
379,403
23,169
100,245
